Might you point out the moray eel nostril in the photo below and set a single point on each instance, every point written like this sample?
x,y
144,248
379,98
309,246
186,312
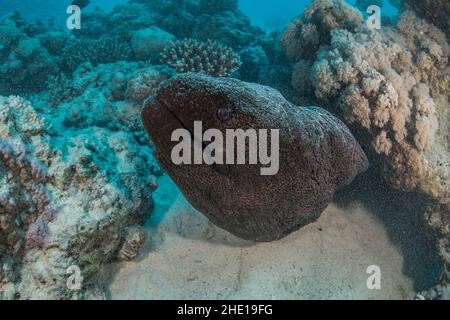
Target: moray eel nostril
x,y
317,155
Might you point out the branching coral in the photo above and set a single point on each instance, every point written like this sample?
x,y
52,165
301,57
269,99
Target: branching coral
x,y
210,57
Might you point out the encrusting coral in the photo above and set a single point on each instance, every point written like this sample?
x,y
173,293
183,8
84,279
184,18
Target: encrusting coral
x,y
389,85
190,55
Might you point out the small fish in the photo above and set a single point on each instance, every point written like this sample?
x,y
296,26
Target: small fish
x,y
81,3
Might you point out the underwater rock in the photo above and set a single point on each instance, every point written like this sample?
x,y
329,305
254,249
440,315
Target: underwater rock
x,y
144,83
317,155
61,202
70,189
25,64
133,242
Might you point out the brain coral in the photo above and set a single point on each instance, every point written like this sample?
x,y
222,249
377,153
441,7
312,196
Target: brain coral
x,y
69,190
210,57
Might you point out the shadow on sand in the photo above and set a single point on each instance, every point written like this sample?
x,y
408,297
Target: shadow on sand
x,y
402,215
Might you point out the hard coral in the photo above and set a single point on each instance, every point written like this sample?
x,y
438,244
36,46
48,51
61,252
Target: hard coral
x,y
391,86
436,11
96,51
144,83
209,57
373,80
68,190
304,35
25,64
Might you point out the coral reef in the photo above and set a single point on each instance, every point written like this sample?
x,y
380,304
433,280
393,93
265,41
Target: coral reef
x,y
387,83
190,55
76,166
390,86
148,43
144,83
364,4
254,59
218,6
70,186
24,63
436,11
304,35
96,51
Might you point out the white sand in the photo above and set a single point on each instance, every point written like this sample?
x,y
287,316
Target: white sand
x,y
185,257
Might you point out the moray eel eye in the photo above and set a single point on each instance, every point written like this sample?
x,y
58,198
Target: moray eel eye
x,y
224,114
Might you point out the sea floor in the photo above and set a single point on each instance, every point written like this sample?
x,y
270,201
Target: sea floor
x,y
186,257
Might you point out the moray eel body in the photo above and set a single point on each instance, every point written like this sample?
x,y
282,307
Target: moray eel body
x,y
317,155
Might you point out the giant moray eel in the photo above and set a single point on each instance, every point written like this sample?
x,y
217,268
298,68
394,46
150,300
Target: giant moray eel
x,y
317,154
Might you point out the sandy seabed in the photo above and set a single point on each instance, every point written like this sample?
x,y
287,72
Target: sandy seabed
x,y
186,257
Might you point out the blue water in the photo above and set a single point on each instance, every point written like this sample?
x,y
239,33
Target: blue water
x,y
267,14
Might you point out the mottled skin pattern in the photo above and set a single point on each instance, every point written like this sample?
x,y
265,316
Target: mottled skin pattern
x,y
317,155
